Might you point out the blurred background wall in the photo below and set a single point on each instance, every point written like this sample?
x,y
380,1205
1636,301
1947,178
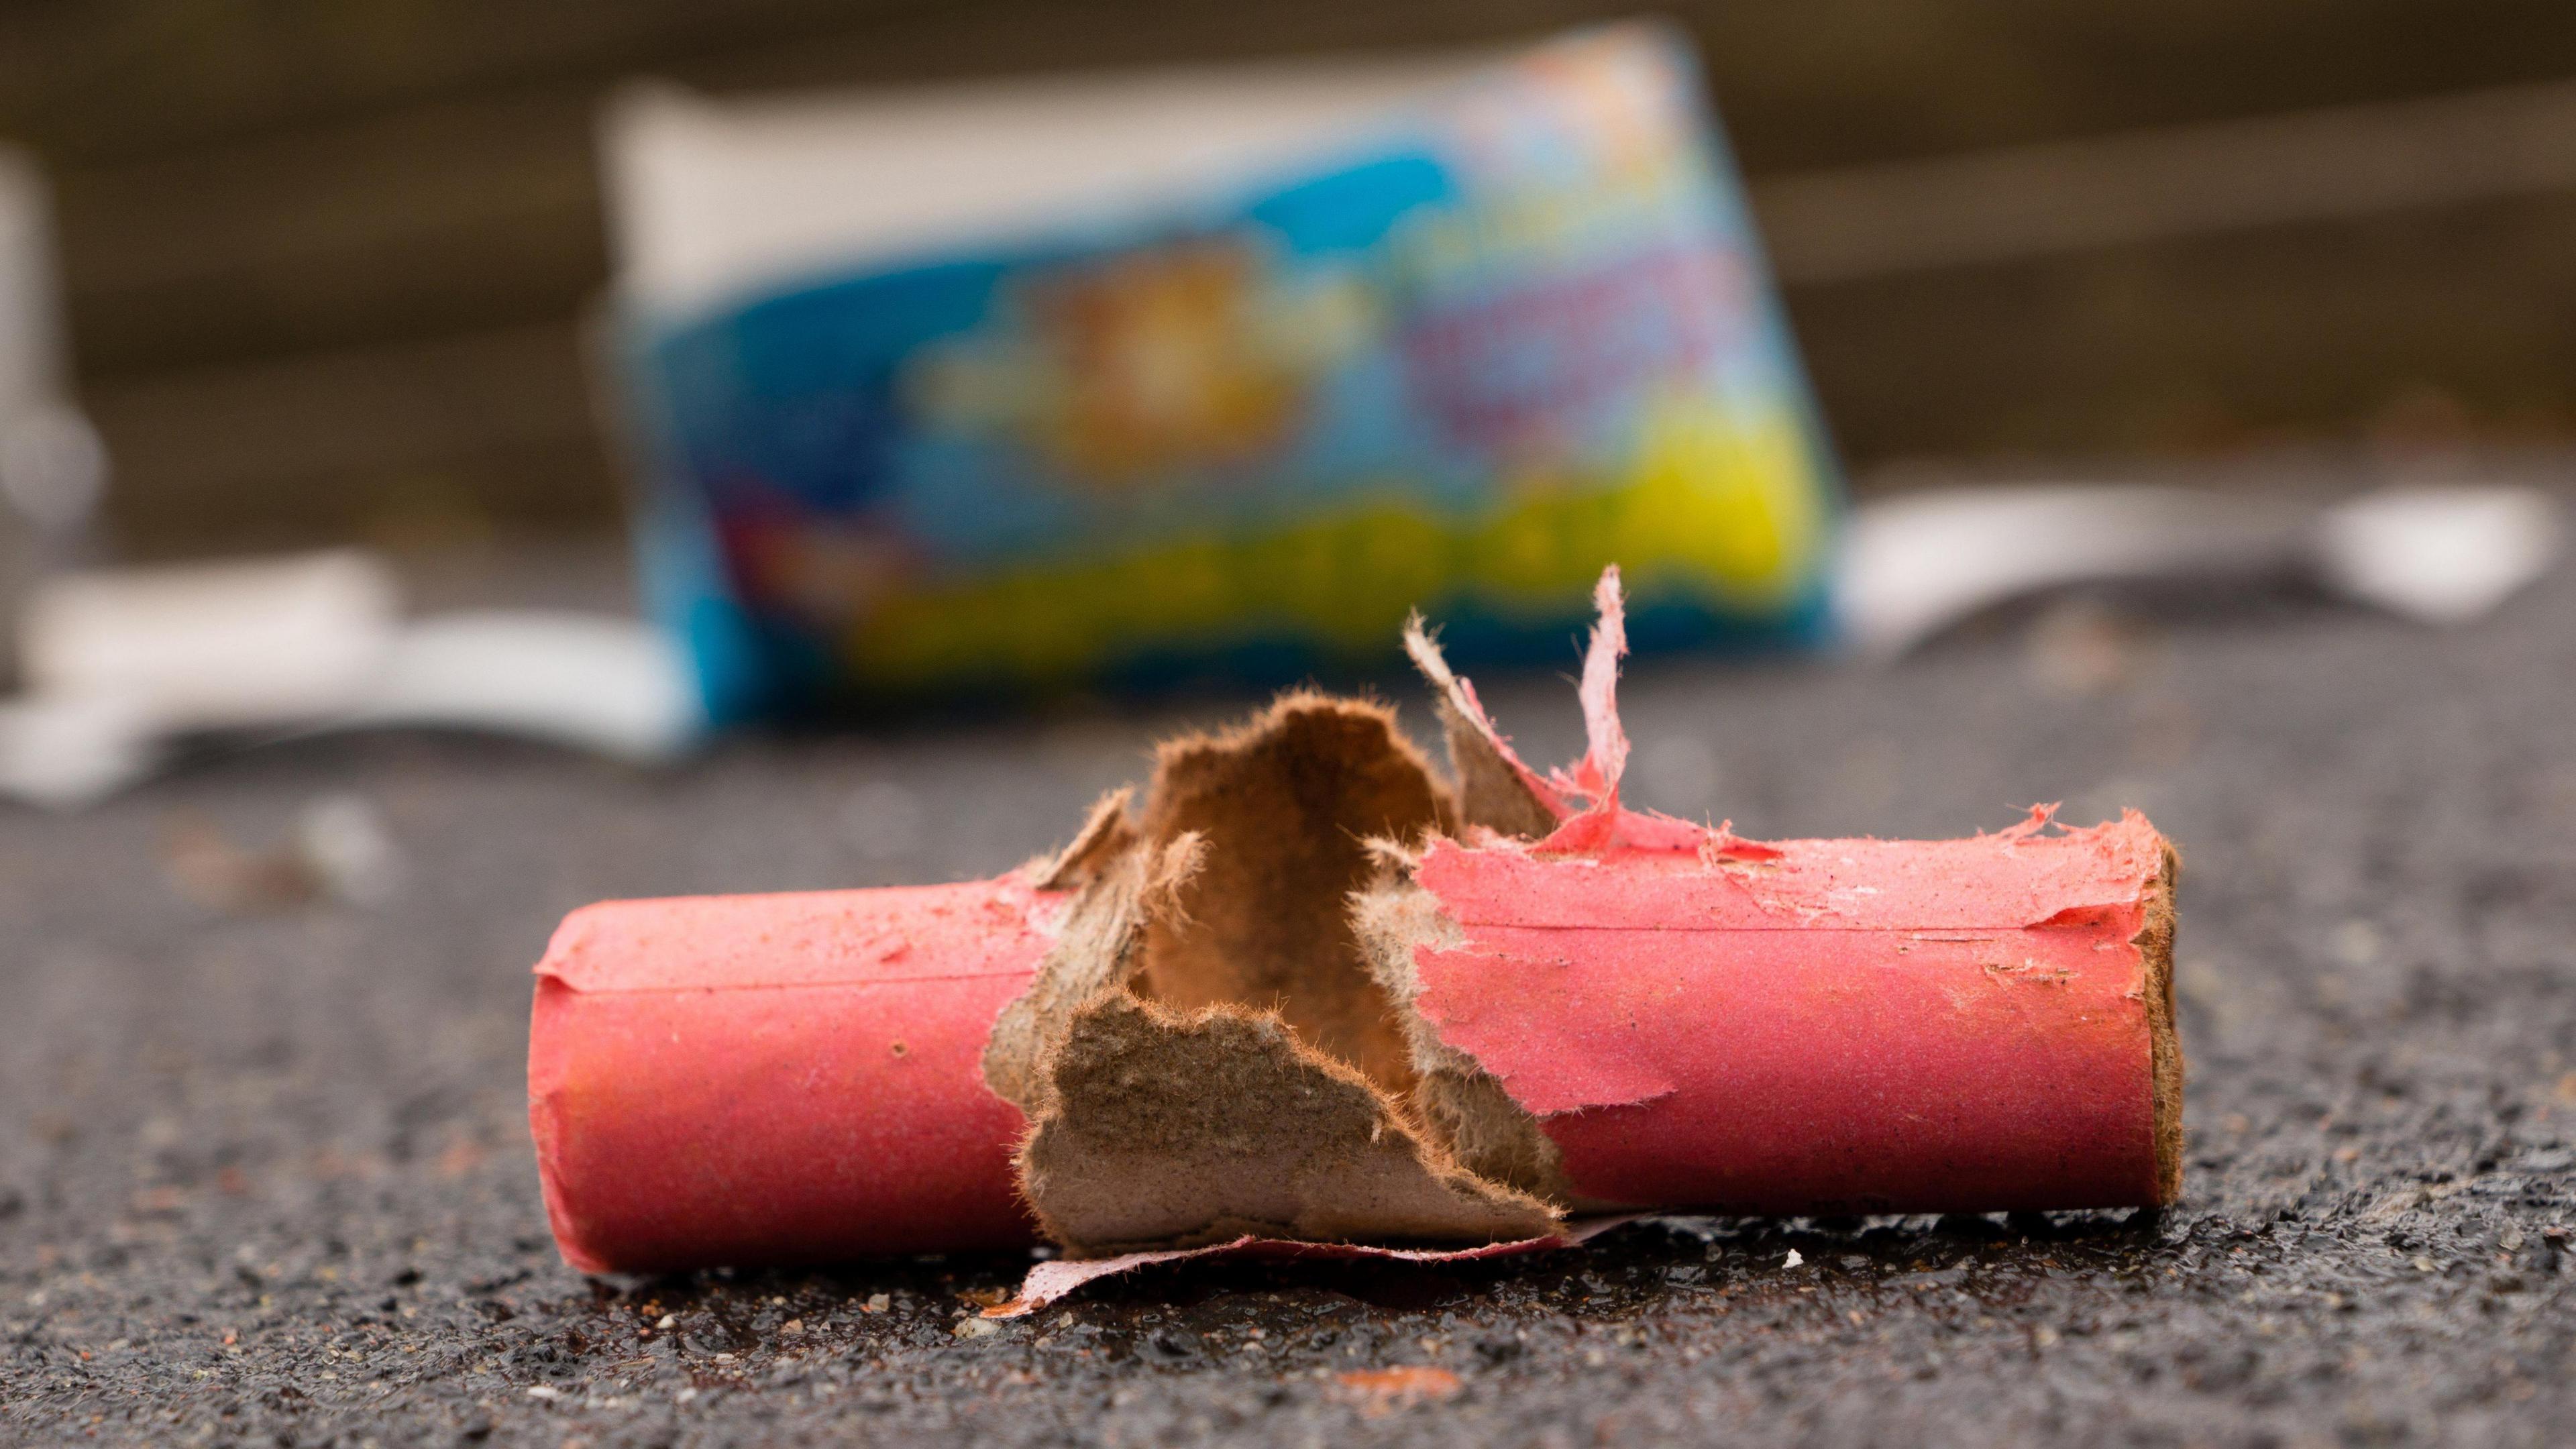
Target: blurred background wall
x,y
328,259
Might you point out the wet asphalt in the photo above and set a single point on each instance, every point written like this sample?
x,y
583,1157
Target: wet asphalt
x,y
265,1178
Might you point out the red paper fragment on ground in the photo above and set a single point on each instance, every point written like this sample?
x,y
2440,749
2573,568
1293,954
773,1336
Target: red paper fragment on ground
x,y
1837,1025
1382,1391
780,1078
1053,1279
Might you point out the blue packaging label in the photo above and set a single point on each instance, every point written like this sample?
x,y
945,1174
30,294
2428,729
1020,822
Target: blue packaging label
x,y
1458,362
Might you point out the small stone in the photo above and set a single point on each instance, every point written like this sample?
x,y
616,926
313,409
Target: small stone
x,y
976,1328
877,1303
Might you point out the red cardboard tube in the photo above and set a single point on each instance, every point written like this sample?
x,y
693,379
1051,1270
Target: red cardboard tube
x,y
1604,1010
1826,1026
780,1078
1801,1027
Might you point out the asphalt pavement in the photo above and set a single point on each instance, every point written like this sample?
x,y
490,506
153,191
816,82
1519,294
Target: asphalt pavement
x,y
265,1176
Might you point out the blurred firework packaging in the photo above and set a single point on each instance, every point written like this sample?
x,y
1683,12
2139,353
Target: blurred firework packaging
x,y
1131,383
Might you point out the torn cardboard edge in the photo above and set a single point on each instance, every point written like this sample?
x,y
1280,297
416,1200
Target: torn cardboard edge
x,y
1222,1046
1228,1043
1206,1055
2155,943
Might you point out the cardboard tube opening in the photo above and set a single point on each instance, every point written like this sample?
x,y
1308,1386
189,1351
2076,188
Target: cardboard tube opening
x,y
1208,1051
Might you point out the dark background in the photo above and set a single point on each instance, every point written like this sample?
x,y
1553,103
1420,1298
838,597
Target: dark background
x,y
326,258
